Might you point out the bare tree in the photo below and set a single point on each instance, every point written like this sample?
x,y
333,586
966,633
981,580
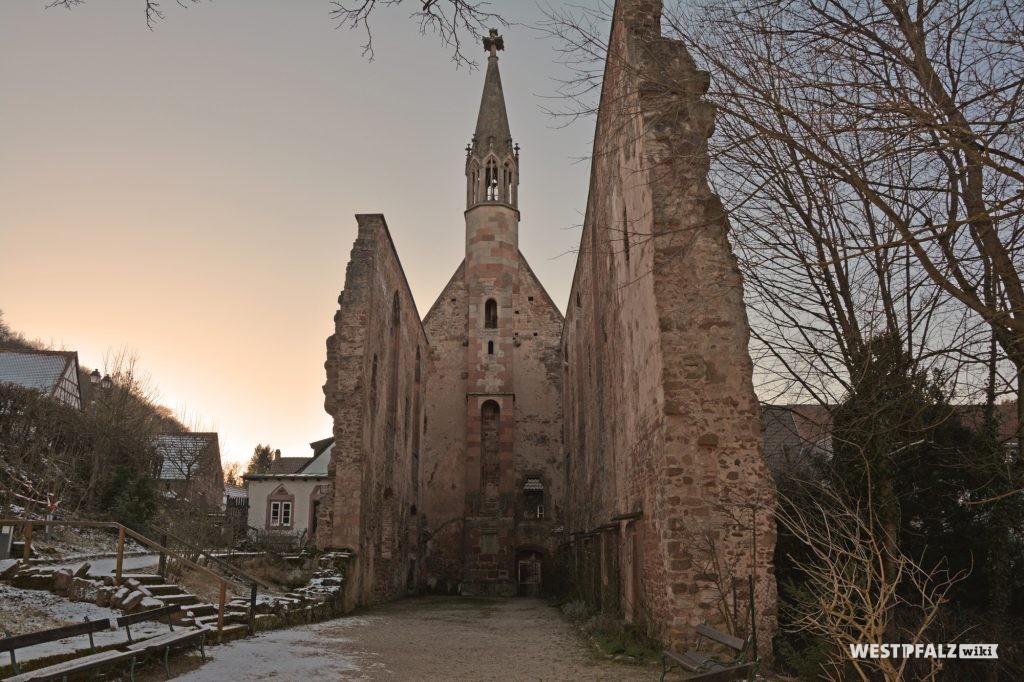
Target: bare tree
x,y
457,23
856,585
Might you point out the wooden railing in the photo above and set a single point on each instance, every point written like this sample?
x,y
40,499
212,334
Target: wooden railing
x,y
122,533
252,581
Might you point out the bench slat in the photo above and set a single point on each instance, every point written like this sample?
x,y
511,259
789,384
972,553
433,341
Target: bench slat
x,y
170,638
744,671
53,634
722,638
691,660
74,665
151,614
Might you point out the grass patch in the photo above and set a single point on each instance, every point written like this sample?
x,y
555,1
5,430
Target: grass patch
x,y
613,637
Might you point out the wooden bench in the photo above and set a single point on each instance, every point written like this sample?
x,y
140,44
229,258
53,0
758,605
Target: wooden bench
x,y
164,643
707,668
82,663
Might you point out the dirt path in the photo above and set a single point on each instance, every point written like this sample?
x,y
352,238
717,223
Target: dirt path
x,y
429,638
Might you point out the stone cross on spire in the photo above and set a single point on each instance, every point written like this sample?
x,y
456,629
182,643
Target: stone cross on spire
x,y
494,42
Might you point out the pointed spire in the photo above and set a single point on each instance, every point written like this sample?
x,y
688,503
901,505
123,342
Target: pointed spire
x,y
492,121
492,162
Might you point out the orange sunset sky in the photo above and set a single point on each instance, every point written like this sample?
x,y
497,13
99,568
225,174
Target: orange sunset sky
x,y
188,193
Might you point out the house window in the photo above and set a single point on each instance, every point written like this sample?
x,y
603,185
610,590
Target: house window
x,y
280,514
280,508
491,314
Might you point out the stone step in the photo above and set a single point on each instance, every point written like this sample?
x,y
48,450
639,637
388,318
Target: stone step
x,y
229,617
229,633
144,578
198,610
157,590
184,599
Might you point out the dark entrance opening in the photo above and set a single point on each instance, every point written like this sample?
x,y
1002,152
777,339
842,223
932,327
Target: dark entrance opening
x,y
528,572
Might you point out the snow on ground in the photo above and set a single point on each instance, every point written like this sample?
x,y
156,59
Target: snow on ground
x,y
424,638
101,566
23,611
303,653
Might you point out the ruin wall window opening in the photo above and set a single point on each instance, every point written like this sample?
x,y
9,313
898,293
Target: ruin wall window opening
x,y
491,314
533,498
490,347
416,429
391,440
625,233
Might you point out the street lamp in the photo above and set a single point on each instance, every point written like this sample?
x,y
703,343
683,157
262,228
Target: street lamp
x,y
106,383
94,377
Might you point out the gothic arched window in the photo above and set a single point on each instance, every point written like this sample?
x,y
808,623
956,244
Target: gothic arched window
x,y
491,314
492,179
507,187
474,183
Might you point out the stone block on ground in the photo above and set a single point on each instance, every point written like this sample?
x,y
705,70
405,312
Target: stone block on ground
x,y
83,570
11,570
62,580
119,594
34,581
103,595
131,601
82,589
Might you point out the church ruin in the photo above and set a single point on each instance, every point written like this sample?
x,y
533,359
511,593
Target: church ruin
x,y
495,447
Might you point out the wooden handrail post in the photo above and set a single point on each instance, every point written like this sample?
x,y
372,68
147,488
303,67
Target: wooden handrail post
x,y
27,538
120,555
163,558
252,610
220,609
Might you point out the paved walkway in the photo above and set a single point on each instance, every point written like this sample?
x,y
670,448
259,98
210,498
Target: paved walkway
x,y
429,638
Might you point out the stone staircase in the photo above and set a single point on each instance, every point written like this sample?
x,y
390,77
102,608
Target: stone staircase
x,y
195,611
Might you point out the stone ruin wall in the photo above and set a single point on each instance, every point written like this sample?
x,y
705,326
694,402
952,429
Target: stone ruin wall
x,y
538,428
665,473
375,392
444,481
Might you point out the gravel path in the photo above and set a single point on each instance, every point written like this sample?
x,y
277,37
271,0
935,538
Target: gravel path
x,y
429,638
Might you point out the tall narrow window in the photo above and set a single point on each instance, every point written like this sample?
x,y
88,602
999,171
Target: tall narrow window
x,y
491,314
492,179
490,462
490,347
507,188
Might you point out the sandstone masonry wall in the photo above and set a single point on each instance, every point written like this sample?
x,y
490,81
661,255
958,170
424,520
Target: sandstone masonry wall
x,y
669,499
444,449
375,391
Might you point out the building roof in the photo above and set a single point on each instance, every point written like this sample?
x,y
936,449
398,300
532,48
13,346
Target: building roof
x,y
235,491
799,435
180,453
317,466
287,465
51,372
